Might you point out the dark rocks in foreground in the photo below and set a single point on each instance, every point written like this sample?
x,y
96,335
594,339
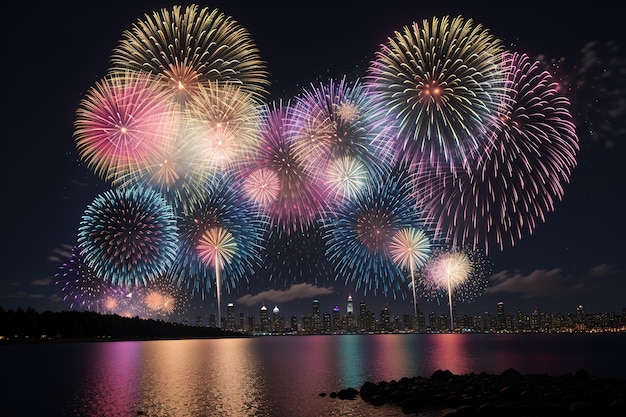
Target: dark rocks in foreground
x,y
509,394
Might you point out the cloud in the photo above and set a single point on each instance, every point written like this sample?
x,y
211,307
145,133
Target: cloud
x,y
23,294
604,270
294,292
61,254
41,282
538,284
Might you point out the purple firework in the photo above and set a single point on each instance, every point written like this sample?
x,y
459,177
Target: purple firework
x,y
82,287
341,135
507,190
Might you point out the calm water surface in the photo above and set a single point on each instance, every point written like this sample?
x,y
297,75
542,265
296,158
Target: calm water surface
x,y
270,376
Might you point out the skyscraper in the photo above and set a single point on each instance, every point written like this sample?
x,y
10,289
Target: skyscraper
x,y
500,319
336,323
277,321
230,316
317,319
350,319
265,321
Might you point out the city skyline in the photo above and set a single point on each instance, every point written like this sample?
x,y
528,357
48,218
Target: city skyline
x,y
573,257
270,321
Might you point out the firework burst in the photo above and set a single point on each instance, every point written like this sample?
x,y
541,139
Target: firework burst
x,y
288,191
128,237
339,135
513,183
187,48
122,124
222,128
221,237
82,287
442,83
461,273
360,235
162,298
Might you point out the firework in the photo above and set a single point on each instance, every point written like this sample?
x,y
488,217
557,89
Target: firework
x,y
223,128
360,236
221,238
186,48
442,83
514,182
122,124
411,248
176,174
296,196
460,272
262,186
82,287
161,298
340,135
129,236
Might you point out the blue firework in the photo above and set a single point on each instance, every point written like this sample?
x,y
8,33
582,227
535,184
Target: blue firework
x,y
128,236
359,236
224,227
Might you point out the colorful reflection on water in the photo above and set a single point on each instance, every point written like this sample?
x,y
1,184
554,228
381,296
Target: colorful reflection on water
x,y
271,376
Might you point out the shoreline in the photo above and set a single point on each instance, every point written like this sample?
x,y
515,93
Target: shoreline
x,y
509,393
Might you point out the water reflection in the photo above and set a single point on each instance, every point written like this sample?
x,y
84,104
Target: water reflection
x,y
173,378
111,375
449,352
270,376
350,360
389,356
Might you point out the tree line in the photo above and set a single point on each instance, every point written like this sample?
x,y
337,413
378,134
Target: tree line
x,y
30,325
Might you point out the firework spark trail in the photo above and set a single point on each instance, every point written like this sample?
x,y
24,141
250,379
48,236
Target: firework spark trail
x,y
122,124
410,248
128,237
510,186
359,237
188,48
216,248
443,84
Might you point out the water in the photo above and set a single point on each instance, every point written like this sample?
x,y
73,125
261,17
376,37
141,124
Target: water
x,y
271,376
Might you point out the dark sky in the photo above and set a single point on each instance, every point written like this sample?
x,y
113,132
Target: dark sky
x,y
54,53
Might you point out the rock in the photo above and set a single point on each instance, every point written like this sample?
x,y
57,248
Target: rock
x,y
368,390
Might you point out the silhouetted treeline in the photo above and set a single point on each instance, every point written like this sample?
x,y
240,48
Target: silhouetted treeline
x,y
21,325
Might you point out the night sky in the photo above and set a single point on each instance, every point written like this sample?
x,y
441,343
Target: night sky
x,y
55,52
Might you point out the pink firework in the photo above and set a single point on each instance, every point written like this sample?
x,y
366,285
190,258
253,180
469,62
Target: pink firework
x,y
123,123
298,195
262,186
508,188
